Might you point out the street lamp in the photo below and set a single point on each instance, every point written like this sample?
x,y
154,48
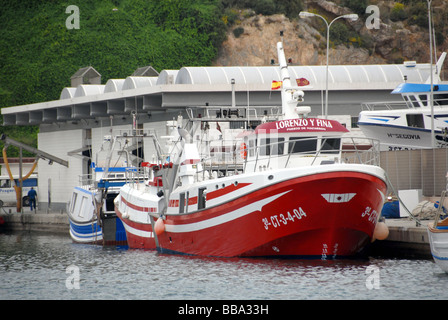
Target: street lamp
x,y
431,95
352,17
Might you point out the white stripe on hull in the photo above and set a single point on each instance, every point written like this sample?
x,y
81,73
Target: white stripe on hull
x,y
238,213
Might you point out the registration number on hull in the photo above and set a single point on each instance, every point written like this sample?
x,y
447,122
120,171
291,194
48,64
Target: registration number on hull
x,y
283,219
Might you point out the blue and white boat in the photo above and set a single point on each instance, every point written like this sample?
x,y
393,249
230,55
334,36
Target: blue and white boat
x,y
91,210
438,237
408,124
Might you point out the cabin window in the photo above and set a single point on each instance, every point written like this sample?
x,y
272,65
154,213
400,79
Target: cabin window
x,y
264,147
181,202
271,146
441,99
413,101
251,148
72,206
277,146
302,144
415,120
330,145
5,183
424,99
354,122
202,192
83,207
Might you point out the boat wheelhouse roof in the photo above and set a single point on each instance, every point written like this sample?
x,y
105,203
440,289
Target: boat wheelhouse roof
x,y
301,125
419,87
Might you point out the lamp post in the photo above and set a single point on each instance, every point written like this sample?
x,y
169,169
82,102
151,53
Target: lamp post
x,y
352,17
431,95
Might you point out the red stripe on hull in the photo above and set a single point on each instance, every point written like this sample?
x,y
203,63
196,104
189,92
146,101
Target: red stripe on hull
x,y
136,239
299,223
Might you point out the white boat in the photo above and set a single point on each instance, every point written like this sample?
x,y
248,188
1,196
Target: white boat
x,y
289,191
407,125
438,238
90,210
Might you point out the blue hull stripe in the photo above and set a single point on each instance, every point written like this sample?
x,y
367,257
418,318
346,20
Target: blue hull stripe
x,y
440,258
85,228
91,231
86,232
397,127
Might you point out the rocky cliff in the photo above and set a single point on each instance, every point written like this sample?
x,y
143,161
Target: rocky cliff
x,y
252,40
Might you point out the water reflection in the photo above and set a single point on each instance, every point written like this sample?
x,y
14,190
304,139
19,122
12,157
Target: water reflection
x,y
34,266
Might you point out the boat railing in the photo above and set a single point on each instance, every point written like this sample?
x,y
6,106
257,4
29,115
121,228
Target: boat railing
x,y
221,114
385,105
327,150
361,150
86,179
219,151
410,102
123,133
112,178
287,154
136,176
439,209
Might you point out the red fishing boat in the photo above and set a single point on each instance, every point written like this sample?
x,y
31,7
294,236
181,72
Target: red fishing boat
x,y
291,191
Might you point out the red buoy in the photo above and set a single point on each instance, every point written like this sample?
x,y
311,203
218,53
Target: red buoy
x,y
159,228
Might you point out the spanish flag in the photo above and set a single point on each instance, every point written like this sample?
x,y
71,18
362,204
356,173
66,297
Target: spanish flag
x,y
302,82
276,85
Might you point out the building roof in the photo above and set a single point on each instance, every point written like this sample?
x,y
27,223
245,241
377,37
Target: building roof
x,y
347,76
204,86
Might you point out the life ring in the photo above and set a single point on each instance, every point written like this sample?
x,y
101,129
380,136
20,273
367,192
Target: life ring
x,y
243,151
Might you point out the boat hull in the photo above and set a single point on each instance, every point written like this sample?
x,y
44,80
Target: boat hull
x,y
86,227
401,138
111,232
396,132
139,235
438,239
323,215
86,232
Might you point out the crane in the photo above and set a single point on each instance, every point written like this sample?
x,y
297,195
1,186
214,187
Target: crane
x,y
39,154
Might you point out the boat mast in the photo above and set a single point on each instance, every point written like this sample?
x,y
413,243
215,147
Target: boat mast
x,y
291,96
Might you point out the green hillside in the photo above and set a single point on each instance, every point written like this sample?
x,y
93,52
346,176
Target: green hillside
x,y
39,54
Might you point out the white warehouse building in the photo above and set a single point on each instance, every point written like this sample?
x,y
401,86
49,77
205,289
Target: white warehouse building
x,y
72,128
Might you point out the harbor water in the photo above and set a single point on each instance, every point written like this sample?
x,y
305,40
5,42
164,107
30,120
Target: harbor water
x,y
36,266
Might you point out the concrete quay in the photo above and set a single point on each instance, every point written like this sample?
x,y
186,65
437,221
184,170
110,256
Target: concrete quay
x,y
36,222
406,239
